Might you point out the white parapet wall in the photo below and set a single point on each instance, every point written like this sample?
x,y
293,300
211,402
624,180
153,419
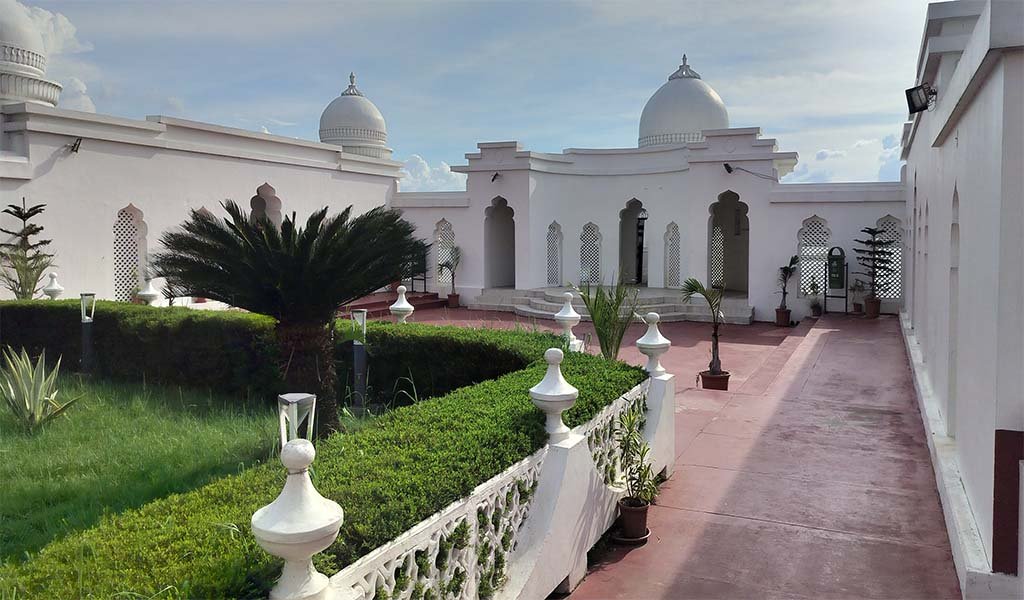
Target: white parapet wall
x,y
526,532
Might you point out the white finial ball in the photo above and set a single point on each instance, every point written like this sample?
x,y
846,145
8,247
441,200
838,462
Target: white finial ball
x,y
298,454
567,296
553,356
652,317
401,289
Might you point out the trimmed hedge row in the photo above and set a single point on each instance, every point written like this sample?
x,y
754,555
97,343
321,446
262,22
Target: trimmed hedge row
x,y
413,462
227,351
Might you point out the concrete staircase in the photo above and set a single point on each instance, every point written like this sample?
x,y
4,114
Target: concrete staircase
x,y
545,302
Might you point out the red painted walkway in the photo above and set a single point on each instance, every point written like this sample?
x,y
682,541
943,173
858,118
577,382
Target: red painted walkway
x,y
810,480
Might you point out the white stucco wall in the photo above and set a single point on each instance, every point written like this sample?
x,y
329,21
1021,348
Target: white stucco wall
x,y
164,168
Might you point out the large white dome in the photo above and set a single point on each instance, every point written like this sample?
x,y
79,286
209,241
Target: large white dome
x,y
680,109
353,122
23,60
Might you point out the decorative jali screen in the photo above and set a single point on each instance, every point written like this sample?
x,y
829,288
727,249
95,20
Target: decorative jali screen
x,y
672,255
445,244
814,243
129,259
554,254
716,256
590,254
890,285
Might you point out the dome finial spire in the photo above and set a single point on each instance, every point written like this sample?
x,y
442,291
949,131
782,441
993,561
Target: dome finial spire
x,y
352,90
684,72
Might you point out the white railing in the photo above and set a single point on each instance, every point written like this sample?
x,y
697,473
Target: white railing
x,y
527,531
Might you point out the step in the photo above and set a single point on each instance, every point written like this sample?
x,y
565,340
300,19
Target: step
x,y
732,318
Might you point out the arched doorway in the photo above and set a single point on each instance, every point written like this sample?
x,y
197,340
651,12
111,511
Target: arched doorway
x,y
499,245
729,243
632,253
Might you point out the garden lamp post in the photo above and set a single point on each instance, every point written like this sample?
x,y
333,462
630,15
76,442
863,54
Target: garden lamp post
x,y
292,409
88,305
359,361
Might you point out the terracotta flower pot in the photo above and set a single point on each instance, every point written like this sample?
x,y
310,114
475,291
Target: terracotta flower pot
x,y
633,518
453,300
714,382
782,317
872,307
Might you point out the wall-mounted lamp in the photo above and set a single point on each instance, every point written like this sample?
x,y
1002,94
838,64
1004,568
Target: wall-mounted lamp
x,y
921,97
74,146
495,176
730,169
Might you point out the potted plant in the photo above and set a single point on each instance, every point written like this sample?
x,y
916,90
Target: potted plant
x,y
876,259
641,483
786,272
857,295
714,378
814,293
452,265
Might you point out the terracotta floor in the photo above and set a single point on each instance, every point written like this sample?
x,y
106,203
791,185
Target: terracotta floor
x,y
809,479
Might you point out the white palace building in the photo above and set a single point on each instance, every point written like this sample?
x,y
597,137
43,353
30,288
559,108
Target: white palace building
x,y
695,197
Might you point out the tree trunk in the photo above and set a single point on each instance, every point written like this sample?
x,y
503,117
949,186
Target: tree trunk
x,y
307,363
715,366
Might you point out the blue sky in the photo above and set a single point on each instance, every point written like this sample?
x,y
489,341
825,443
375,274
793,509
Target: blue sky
x,y
824,77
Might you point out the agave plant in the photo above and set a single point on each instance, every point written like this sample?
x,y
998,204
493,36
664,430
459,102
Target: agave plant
x,y
298,275
611,311
692,288
29,390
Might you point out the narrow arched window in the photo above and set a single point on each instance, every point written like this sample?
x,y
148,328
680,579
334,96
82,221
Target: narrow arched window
x,y
129,253
444,241
890,284
813,240
672,258
590,254
555,254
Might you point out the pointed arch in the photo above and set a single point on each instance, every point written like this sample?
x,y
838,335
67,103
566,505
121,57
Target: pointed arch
x,y
130,257
554,244
266,204
499,244
672,256
590,254
632,242
890,285
729,243
444,242
813,242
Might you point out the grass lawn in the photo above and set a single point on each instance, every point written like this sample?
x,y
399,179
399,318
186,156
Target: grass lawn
x,y
120,446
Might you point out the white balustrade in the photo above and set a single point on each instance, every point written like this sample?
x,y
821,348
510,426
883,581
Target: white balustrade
x,y
53,290
653,344
149,294
569,318
401,308
553,396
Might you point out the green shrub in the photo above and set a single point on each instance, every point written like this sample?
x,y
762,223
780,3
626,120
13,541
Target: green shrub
x,y
387,477
226,351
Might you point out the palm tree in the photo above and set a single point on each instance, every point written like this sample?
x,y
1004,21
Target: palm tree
x,y
692,287
785,273
298,275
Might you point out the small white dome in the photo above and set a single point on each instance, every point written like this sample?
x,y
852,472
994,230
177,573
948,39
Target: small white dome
x,y
353,122
680,109
23,59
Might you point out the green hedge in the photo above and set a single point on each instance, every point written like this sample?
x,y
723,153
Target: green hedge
x,y
227,351
413,462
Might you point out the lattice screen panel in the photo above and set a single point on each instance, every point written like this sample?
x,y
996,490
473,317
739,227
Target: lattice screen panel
x,y
814,243
128,260
555,254
672,256
716,256
590,254
890,285
445,244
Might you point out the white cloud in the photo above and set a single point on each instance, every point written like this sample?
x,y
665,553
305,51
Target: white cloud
x,y
804,174
76,96
889,159
419,176
862,143
60,36
825,154
174,105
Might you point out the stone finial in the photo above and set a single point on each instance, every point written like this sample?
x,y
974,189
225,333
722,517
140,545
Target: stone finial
x,y
653,344
149,294
53,290
297,525
401,308
569,318
554,395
